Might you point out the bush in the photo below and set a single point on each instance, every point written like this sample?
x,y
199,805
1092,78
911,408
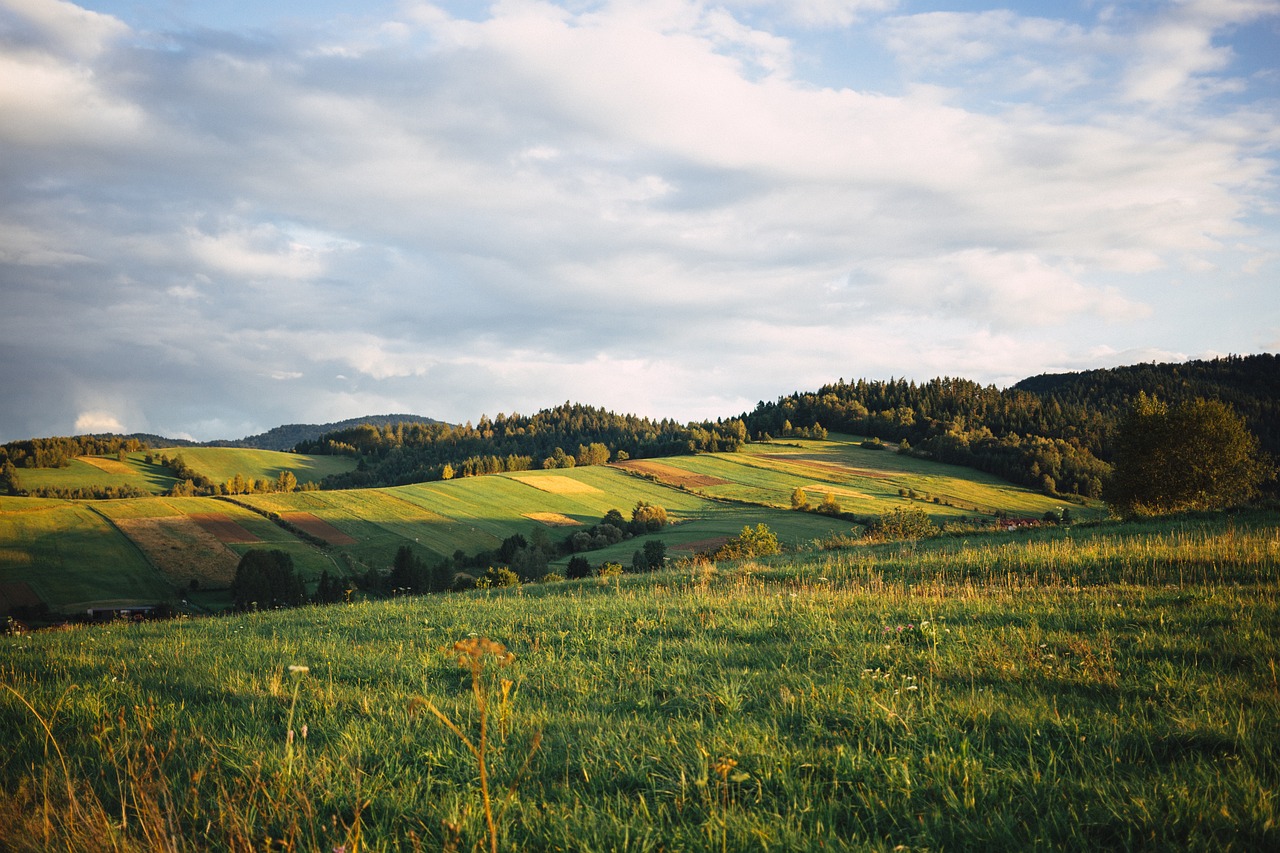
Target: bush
x,y
500,576
902,523
758,542
578,568
609,570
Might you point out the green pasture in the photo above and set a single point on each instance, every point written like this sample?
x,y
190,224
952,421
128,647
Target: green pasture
x,y
477,513
81,474
865,481
1107,687
221,464
72,557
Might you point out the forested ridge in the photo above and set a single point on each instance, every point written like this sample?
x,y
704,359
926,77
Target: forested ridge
x,y
289,436
561,437
1054,432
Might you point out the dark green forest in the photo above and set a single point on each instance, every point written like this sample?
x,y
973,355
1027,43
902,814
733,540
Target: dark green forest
x,y
1052,432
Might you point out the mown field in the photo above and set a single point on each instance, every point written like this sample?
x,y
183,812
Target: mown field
x,y
1105,687
186,549
221,464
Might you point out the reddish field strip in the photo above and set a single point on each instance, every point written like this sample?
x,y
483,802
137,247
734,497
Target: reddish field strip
x,y
224,528
701,545
823,465
670,474
318,527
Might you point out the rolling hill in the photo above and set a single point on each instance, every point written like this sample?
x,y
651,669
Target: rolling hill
x,y
67,554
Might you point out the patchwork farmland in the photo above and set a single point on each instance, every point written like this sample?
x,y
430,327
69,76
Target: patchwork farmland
x,y
149,549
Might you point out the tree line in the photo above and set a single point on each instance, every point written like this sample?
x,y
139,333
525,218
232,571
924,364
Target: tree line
x,y
1055,433
58,451
561,437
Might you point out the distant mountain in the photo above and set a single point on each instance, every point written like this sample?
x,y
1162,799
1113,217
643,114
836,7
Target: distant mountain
x,y
289,436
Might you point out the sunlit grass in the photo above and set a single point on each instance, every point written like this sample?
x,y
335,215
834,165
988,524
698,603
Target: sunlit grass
x,y
1110,687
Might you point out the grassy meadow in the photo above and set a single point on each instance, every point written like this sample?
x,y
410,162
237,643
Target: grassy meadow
x,y
1108,686
221,464
171,549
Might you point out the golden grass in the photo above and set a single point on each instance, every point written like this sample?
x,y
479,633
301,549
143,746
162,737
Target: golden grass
x,y
182,549
672,475
558,485
103,463
552,519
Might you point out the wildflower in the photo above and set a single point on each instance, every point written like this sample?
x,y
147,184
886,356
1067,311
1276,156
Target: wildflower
x,y
298,669
304,731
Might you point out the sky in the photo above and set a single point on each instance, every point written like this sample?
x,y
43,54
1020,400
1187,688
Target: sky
x,y
219,216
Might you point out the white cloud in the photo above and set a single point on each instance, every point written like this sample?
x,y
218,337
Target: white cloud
x,y
1004,290
634,204
1174,55
68,28
98,421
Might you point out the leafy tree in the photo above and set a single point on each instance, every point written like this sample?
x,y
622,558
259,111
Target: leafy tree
x,y
1194,455
266,579
757,542
655,553
578,568
287,481
409,572
647,518
799,500
829,505
908,522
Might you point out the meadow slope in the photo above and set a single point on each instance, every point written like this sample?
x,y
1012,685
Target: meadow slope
x,y
186,548
1104,687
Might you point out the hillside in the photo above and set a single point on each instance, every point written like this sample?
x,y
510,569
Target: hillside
x,y
1050,432
289,436
1250,384
173,541
1107,687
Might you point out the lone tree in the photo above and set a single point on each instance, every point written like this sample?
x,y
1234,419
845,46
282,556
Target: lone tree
x,y
1194,455
266,579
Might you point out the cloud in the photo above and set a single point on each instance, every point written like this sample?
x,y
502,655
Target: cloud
x,y
640,205
1177,54
95,422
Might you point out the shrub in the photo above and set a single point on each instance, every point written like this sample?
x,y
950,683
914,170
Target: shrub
x,y
578,568
500,576
609,570
902,523
757,542
266,579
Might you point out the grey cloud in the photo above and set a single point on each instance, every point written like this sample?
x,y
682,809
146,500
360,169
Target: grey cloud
x,y
458,222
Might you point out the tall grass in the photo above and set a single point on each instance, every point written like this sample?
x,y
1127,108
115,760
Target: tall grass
x,y
1114,688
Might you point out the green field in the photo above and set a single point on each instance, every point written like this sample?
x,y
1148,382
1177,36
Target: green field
x,y
1110,686
100,472
71,557
190,545
221,464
